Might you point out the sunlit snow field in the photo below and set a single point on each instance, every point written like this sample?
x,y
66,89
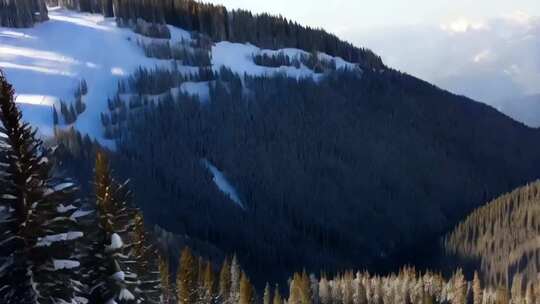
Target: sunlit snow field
x,y
46,64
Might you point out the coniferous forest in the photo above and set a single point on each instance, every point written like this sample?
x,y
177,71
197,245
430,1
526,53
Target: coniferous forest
x,y
341,179
59,246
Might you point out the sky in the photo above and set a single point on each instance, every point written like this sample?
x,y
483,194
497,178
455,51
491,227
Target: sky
x,y
488,50
338,15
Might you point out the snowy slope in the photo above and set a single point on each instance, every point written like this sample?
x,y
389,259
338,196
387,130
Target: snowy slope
x,y
46,64
238,57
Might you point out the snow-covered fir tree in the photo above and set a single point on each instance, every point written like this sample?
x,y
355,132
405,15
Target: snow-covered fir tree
x,y
146,264
224,281
39,262
117,280
234,296
267,295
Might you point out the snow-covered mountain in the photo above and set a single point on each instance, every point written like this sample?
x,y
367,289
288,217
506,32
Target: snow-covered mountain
x,y
46,64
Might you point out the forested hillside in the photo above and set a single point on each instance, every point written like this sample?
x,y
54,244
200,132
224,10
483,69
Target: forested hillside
x,y
220,24
344,171
61,246
291,158
22,13
503,238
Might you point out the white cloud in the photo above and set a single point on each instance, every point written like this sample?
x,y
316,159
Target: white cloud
x,y
483,56
463,25
487,60
492,60
519,17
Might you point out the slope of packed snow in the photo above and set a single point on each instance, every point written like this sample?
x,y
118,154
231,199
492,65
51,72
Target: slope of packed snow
x,y
46,63
239,58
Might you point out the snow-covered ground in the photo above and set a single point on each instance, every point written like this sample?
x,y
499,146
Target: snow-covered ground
x,y
46,64
239,58
223,184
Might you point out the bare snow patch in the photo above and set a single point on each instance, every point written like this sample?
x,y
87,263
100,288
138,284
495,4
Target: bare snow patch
x,y
116,242
239,58
50,239
125,295
223,184
200,89
63,209
65,264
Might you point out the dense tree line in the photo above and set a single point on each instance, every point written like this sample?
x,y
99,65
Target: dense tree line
x,y
356,167
104,7
219,24
22,13
150,29
407,286
71,111
502,237
186,53
311,61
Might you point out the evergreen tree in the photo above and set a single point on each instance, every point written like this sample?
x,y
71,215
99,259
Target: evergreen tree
x,y
530,294
459,288
56,119
208,283
117,278
314,285
22,13
234,296
267,296
146,264
501,296
167,289
247,294
38,260
359,296
324,290
186,279
277,296
225,281
517,289
477,289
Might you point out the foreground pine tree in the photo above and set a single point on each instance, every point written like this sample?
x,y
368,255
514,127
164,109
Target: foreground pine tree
x,y
115,280
166,285
224,282
39,213
147,265
186,278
